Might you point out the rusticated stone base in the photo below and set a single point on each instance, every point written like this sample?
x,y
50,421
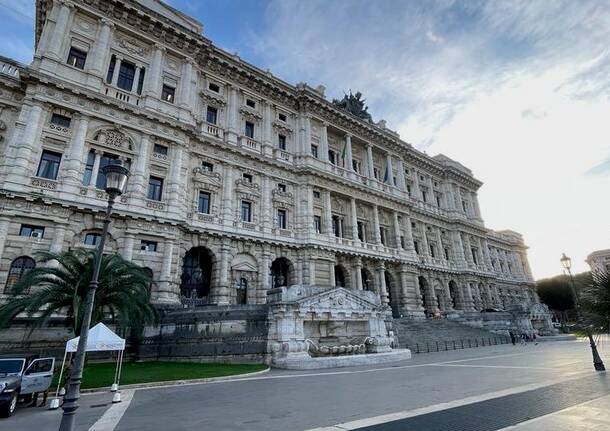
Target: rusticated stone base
x,y
306,362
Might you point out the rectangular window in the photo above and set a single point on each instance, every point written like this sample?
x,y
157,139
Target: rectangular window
x,y
474,255
408,189
424,196
383,235
211,115
432,251
92,238
247,178
361,231
416,246
148,245
204,202
316,194
281,187
105,160
160,149
281,117
446,253
402,242
281,142
214,87
77,58
207,166
61,120
49,165
141,80
314,151
89,167
127,73
246,211
337,226
281,219
464,206
111,67
317,223
332,157
168,93
356,166
250,103
249,130
31,230
155,188
376,173
438,200
395,181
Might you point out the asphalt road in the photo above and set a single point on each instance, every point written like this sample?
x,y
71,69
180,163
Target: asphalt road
x,y
283,400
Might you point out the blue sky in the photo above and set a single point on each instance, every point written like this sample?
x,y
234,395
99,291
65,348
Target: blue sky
x,y
517,90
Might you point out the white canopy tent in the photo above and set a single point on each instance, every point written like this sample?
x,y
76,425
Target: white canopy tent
x,y
100,339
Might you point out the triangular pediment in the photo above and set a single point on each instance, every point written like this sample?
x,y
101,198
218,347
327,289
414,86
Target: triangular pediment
x,y
337,299
244,266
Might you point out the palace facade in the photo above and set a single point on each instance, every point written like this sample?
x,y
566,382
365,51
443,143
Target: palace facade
x,y
240,182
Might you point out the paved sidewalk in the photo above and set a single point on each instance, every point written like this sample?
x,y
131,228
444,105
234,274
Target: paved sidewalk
x,y
590,416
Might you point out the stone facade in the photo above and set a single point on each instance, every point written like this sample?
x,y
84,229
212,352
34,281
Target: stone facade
x,y
599,261
240,182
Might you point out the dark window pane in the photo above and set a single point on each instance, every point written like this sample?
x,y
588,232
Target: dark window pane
x,y
212,115
246,211
204,202
281,219
89,167
30,230
167,93
127,72
155,188
249,130
281,117
105,160
19,267
281,142
214,87
148,245
61,120
251,103
77,58
111,67
160,149
141,80
49,165
209,167
92,238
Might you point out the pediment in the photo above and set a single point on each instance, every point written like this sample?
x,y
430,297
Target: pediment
x,y
337,299
244,266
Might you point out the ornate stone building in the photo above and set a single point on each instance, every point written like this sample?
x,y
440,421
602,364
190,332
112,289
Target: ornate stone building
x,y
240,181
599,261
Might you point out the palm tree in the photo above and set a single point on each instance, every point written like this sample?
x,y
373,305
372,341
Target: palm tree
x,y
596,301
59,287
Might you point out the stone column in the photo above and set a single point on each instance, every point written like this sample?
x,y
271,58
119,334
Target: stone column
x,y
76,151
354,219
408,234
468,299
397,231
370,164
299,270
468,251
383,290
227,196
475,205
328,215
23,144
401,175
308,225
348,153
416,191
101,49
389,169
175,171
323,153
153,79
233,110
458,248
306,144
449,198
425,247
267,140
263,276
485,249
358,273
115,71
410,296
332,273
166,291
138,180
58,238
267,204
128,243
60,30
96,168
185,84
4,225
220,294
439,240
312,270
377,231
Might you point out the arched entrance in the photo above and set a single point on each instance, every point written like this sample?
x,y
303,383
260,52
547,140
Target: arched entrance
x,y
19,267
368,282
244,279
196,279
428,299
281,272
339,276
391,287
453,292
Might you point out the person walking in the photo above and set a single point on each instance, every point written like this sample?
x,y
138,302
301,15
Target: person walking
x,y
512,338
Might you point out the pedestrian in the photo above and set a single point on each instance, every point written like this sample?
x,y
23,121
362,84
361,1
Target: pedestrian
x,y
534,338
512,337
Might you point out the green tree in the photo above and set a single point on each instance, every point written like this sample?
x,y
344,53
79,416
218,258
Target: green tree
x,y
59,285
557,294
595,301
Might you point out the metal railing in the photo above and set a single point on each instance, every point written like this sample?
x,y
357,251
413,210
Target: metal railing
x,y
462,343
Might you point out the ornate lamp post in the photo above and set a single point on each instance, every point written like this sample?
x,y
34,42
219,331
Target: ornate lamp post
x,y
116,179
597,360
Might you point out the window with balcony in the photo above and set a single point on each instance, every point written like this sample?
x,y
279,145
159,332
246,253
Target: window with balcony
x,y
105,160
146,245
446,253
356,166
247,178
207,166
31,231
473,250
111,67
204,202
61,120
211,115
89,167
362,231
409,189
49,165
155,188
249,130
127,73
246,211
314,150
438,200
214,87
383,234
281,187
141,80
281,142
432,251
424,196
168,93
333,157
317,223
416,246
465,206
251,103
281,117
281,219
77,58
376,173
92,239
160,149
338,226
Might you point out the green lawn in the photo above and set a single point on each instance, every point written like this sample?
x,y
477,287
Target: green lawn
x,y
102,375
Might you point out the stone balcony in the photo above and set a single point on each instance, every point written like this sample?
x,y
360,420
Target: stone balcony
x,y
250,144
121,95
212,130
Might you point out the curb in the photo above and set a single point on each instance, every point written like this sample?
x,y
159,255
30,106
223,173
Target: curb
x,y
168,383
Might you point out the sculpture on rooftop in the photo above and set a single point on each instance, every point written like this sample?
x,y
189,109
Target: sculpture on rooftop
x,y
354,104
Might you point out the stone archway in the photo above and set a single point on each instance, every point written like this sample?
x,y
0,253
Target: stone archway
x,y
196,278
393,293
368,280
342,277
429,300
282,272
453,293
244,279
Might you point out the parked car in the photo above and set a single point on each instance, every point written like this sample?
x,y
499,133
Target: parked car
x,y
22,376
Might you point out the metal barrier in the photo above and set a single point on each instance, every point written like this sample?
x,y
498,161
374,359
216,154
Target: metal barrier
x,y
468,343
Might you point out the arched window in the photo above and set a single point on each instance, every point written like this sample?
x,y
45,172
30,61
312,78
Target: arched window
x,y
19,267
196,273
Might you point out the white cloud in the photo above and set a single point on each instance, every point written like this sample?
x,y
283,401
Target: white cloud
x,y
516,90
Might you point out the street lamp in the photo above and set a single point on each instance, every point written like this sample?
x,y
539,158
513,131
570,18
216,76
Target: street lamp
x,y
116,179
597,360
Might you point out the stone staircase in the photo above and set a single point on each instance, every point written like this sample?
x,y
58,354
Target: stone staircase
x,y
434,335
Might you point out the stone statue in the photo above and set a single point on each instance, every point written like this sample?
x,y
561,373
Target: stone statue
x,y
354,104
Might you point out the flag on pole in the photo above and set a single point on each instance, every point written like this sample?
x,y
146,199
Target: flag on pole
x,y
386,176
343,153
